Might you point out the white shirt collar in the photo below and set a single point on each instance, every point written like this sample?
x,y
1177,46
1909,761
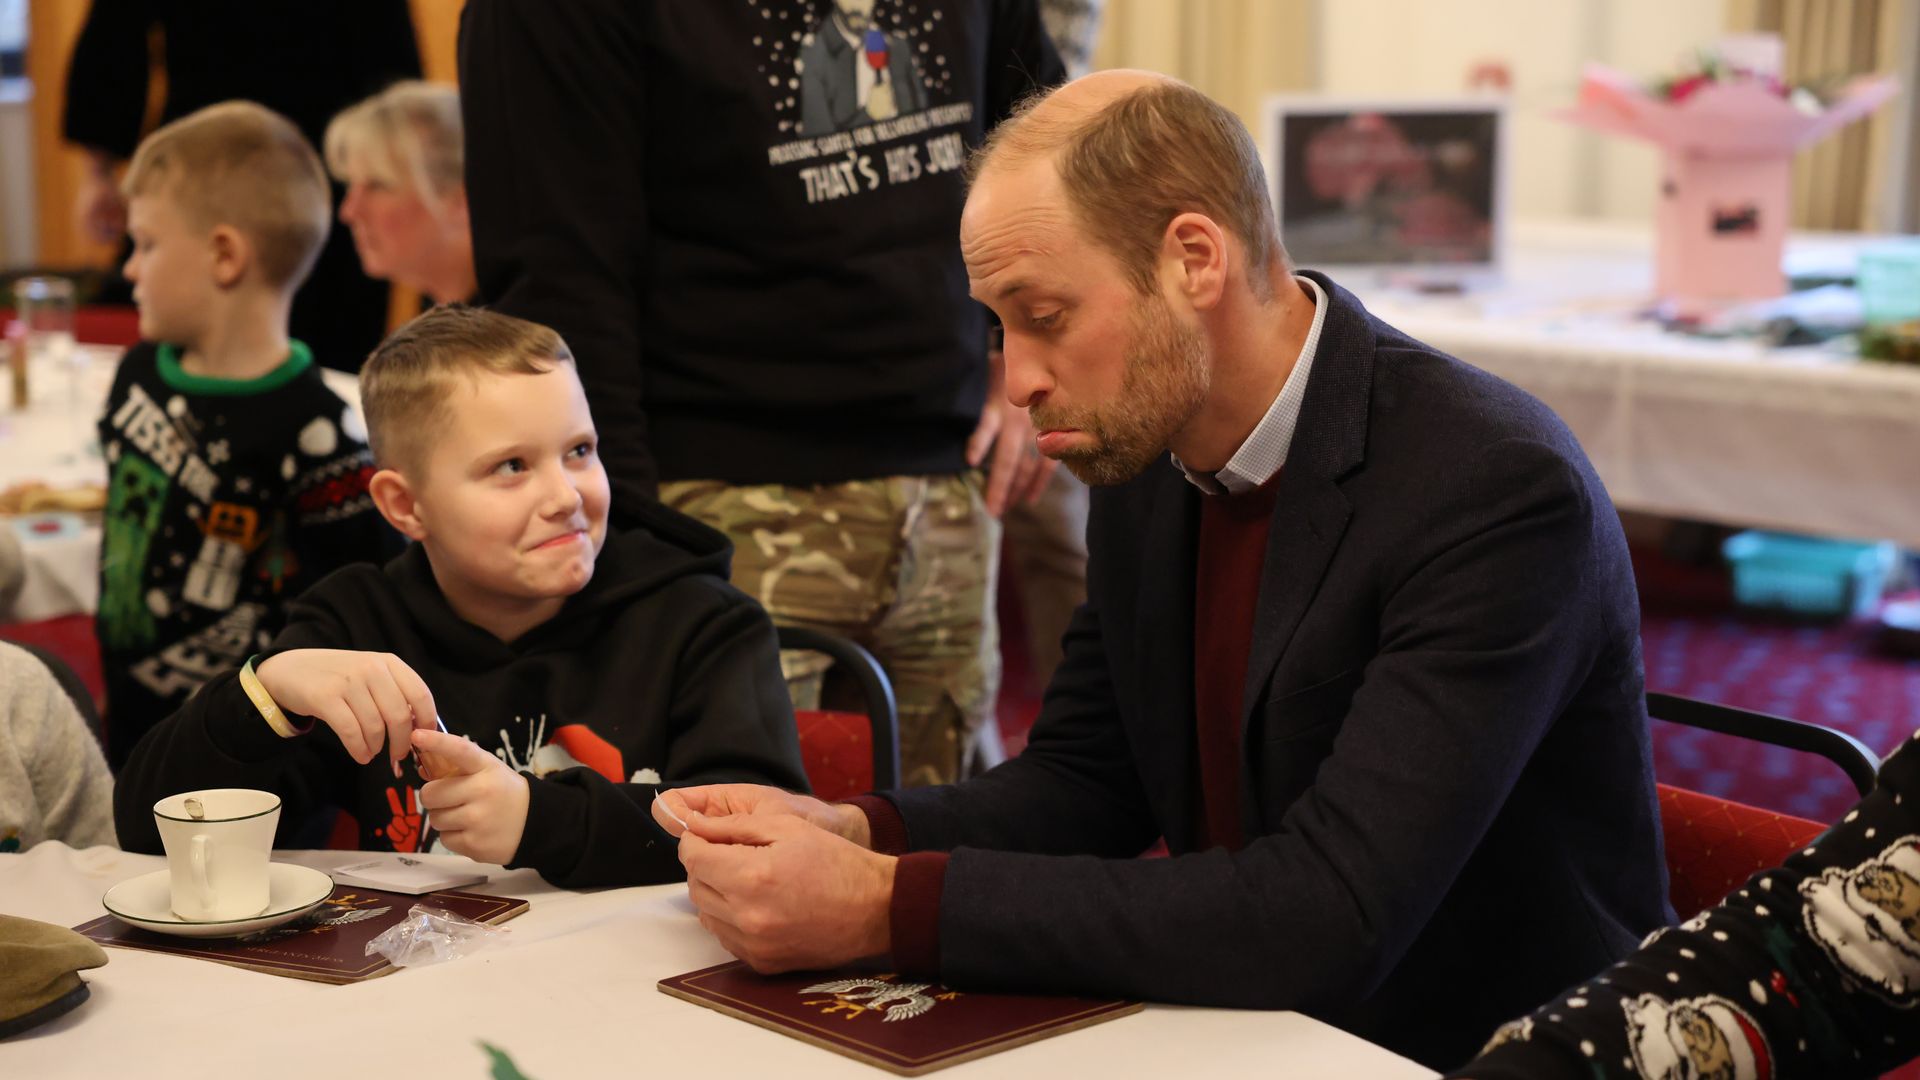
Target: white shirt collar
x,y
1259,458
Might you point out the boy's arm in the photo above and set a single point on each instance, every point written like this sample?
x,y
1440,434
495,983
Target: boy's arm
x,y
219,738
730,721
554,105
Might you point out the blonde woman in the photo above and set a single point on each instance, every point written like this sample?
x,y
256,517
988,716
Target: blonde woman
x,y
399,153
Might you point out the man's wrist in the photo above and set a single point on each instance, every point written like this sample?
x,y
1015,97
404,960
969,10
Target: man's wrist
x,y
853,826
879,907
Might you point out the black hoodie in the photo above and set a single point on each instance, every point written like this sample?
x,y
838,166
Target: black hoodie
x,y
658,672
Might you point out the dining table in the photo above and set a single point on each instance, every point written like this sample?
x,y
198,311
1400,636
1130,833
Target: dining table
x,y
568,991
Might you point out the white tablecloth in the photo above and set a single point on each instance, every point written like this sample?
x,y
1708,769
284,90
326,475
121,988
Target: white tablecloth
x,y
1803,439
569,993
55,441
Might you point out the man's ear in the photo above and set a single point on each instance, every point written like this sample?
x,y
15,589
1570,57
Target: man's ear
x,y
1195,250
395,500
233,255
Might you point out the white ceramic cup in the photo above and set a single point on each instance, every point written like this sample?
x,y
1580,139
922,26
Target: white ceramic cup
x,y
218,859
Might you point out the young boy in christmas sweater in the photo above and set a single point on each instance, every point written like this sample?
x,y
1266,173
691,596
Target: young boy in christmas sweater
x,y
235,477
587,668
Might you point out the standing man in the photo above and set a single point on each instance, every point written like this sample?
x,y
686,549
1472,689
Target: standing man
x,y
1364,648
754,260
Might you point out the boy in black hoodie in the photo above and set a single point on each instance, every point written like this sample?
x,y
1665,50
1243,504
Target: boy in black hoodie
x,y
588,669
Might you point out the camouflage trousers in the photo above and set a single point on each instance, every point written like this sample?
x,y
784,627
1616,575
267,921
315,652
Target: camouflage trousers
x,y
904,565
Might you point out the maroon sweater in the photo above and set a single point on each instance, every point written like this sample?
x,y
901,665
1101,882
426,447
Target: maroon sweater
x,y
1232,553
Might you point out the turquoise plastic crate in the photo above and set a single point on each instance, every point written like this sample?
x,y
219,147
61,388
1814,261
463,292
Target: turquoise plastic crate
x,y
1808,576
1889,281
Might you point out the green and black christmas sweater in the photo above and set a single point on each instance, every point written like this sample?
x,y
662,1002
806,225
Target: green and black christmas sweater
x,y
225,498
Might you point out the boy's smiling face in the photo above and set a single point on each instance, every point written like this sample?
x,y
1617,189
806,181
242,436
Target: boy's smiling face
x,y
510,498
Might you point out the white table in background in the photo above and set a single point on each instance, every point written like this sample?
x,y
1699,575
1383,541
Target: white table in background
x,y
56,441
1802,439
568,993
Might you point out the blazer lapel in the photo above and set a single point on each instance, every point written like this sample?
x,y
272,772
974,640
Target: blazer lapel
x,y
1163,652
1310,512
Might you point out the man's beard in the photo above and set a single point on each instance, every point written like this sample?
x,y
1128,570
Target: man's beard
x,y
1166,380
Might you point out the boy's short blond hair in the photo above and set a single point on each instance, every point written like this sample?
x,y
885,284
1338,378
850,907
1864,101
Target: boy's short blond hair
x,y
405,385
246,166
406,136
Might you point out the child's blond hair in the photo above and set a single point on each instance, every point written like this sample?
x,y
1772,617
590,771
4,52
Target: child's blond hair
x,y
246,166
405,383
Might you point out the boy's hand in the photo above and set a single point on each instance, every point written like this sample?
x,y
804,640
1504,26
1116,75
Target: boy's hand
x,y
479,804
737,800
369,699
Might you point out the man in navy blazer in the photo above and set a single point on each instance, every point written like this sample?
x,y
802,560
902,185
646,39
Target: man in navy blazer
x,y
1363,648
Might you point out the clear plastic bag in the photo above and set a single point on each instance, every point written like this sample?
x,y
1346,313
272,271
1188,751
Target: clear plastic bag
x,y
430,935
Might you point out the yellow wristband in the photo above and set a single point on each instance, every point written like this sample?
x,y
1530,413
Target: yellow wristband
x,y
263,701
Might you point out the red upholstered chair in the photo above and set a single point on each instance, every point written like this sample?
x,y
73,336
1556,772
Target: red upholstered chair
x,y
1715,844
847,753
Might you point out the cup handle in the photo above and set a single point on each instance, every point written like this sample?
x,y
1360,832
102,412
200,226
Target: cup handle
x,y
197,857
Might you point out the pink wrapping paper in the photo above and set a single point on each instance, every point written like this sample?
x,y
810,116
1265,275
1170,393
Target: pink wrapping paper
x,y
1726,192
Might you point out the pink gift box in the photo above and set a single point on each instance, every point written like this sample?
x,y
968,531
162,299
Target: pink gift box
x,y
1726,192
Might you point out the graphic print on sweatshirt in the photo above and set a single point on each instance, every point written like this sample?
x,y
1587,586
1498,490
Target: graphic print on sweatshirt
x,y
862,90
527,747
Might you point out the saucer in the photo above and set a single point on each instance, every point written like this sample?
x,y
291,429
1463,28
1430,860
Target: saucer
x,y
147,902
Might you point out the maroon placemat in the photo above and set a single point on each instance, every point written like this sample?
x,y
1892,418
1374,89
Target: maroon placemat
x,y
328,945
906,1026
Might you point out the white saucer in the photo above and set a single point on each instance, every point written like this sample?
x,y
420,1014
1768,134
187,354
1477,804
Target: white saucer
x,y
146,902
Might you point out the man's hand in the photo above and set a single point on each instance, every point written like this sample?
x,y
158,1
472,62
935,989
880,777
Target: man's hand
x,y
369,699
880,102
99,208
741,800
479,806
1019,472
783,895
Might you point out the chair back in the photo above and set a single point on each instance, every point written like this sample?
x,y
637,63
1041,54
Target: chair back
x,y
847,753
1714,845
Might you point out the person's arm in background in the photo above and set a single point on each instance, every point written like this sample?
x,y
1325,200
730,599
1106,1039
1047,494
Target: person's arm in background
x,y
68,787
552,97
1812,969
106,104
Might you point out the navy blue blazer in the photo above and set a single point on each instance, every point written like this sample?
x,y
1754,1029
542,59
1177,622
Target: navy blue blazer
x,y
1448,787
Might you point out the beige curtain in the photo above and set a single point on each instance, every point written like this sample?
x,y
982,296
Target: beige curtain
x,y
1838,183
1236,51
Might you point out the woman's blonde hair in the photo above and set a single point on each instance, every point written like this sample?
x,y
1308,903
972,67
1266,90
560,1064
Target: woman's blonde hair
x,y
406,136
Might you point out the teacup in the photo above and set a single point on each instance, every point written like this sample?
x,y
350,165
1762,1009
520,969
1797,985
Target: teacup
x,y
218,842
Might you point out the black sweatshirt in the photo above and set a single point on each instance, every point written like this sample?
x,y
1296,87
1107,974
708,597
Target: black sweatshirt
x,y
657,673
761,281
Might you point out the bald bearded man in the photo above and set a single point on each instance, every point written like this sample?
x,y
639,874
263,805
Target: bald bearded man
x,y
1361,643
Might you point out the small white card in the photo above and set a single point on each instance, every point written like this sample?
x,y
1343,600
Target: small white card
x,y
404,874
